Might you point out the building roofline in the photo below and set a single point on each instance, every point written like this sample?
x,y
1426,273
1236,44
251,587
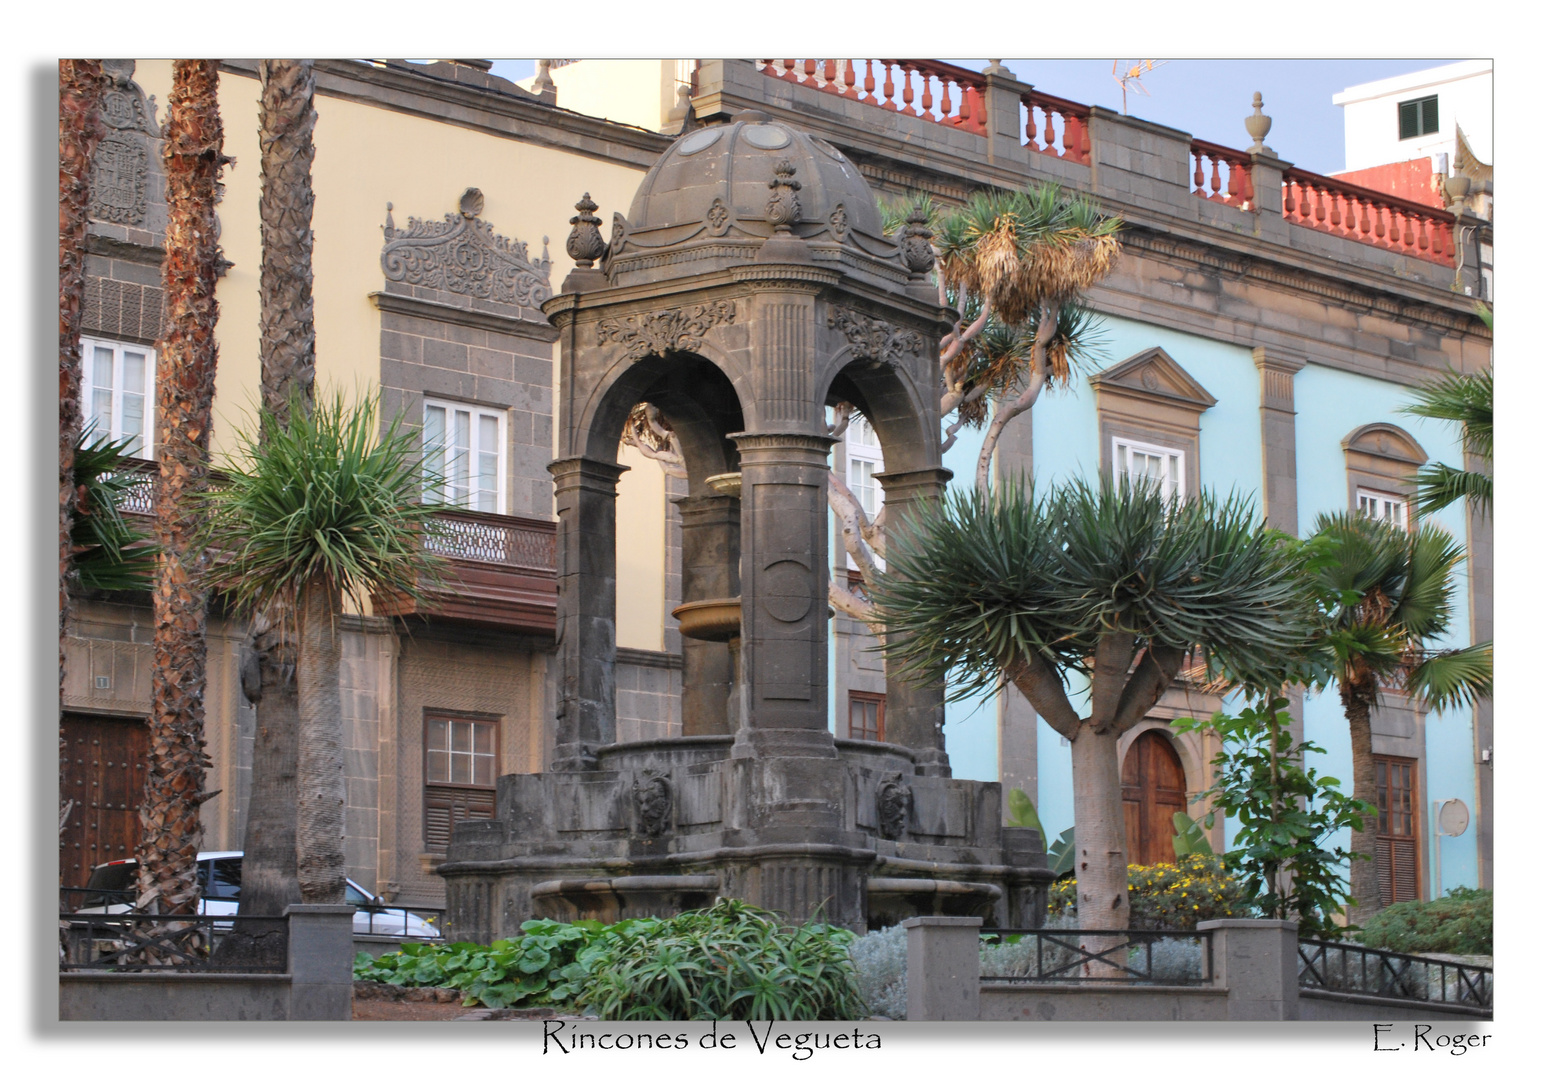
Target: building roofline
x,y
1417,80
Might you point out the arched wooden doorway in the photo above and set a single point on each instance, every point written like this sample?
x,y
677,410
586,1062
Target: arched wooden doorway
x,y
1153,789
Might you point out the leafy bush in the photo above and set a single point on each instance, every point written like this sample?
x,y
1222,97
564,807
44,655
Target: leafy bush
x,y
729,961
1167,896
879,958
1460,921
547,965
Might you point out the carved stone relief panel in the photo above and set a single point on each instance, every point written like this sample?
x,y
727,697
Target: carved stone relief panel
x,y
874,339
121,164
669,330
464,255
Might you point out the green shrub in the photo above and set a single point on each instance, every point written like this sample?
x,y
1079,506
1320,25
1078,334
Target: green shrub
x,y
1460,921
547,965
879,957
1167,896
729,961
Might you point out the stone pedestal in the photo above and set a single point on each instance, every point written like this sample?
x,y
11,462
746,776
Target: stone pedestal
x,y
709,527
943,968
1257,960
322,954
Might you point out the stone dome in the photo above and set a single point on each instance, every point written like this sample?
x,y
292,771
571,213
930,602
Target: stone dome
x,y
705,201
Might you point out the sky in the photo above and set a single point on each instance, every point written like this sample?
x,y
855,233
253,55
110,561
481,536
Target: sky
x,y
1207,98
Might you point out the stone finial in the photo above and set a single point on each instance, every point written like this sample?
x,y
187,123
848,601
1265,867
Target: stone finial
x,y
681,103
997,67
471,203
586,243
916,245
1456,188
784,207
542,82
1258,124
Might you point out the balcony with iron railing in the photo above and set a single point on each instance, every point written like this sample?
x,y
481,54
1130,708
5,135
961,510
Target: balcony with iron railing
x,y
501,568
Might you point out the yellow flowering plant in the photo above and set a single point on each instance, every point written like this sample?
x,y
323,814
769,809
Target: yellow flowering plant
x,y
1168,896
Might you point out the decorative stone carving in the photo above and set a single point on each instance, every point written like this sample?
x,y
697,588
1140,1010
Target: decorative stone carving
x,y
874,339
916,246
662,332
464,255
617,234
784,207
586,243
1257,124
121,163
654,799
718,217
893,802
838,222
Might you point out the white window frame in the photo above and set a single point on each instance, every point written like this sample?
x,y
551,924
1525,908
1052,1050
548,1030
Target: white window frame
x,y
862,449
444,456
1121,448
1383,505
118,393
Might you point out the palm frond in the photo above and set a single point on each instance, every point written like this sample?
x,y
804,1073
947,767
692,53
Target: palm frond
x,y
1438,485
1454,677
1466,400
894,212
327,496
108,553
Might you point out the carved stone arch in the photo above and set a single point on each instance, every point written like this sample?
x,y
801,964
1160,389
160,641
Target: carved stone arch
x,y
894,407
1381,457
694,394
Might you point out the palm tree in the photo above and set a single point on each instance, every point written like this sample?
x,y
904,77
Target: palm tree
x,y
1466,400
1385,599
286,371
185,386
107,553
81,83
316,510
1112,585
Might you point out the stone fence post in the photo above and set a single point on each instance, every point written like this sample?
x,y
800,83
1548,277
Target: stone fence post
x,y
942,968
322,955
1257,962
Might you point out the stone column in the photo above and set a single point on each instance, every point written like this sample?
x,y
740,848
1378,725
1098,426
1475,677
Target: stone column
x,y
1004,116
913,715
321,952
1257,961
1279,471
585,608
1266,180
784,587
942,968
709,538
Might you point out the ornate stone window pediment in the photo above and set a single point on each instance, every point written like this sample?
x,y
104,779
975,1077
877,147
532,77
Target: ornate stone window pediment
x,y
1150,406
1381,461
463,255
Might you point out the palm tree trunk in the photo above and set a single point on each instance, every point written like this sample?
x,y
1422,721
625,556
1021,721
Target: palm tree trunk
x,y
185,387
1358,700
320,773
286,368
80,130
1100,835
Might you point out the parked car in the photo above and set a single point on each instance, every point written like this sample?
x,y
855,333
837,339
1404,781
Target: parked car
x,y
111,891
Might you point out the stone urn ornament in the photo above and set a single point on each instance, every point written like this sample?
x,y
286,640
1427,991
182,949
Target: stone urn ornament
x,y
1258,124
916,244
586,244
783,207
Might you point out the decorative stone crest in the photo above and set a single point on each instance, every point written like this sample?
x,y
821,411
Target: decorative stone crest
x,y
654,799
121,163
463,254
718,217
617,234
838,221
586,243
874,339
665,331
784,207
893,802
916,245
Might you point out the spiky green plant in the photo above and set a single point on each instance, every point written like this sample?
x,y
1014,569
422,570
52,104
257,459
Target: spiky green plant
x,y
319,508
1111,585
1466,400
1385,596
107,552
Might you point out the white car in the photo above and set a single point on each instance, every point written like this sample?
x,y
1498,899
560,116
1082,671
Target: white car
x,y
220,884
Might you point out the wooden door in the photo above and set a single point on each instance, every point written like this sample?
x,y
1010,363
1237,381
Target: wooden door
x,y
1153,789
102,771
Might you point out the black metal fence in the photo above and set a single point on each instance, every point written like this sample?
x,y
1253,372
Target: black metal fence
x,y
1353,969
1152,957
134,941
401,922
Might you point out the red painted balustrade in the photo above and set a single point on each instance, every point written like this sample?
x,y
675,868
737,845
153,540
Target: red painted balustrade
x,y
1221,175
1041,113
1370,217
942,93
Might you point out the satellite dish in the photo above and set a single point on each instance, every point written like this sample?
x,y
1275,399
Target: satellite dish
x,y
1453,817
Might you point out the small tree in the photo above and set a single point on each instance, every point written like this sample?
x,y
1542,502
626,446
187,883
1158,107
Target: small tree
x,y
1384,597
1108,585
316,510
1465,400
1285,813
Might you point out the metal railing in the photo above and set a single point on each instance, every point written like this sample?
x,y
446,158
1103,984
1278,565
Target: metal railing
x,y
395,922
1152,957
526,543
1352,969
135,941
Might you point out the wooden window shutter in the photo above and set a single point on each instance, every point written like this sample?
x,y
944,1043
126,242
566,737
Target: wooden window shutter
x,y
1430,115
447,806
1411,120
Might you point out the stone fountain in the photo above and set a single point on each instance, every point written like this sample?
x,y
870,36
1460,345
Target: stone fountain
x,y
750,286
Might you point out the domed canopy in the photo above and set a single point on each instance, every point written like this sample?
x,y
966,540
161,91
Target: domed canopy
x,y
706,200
